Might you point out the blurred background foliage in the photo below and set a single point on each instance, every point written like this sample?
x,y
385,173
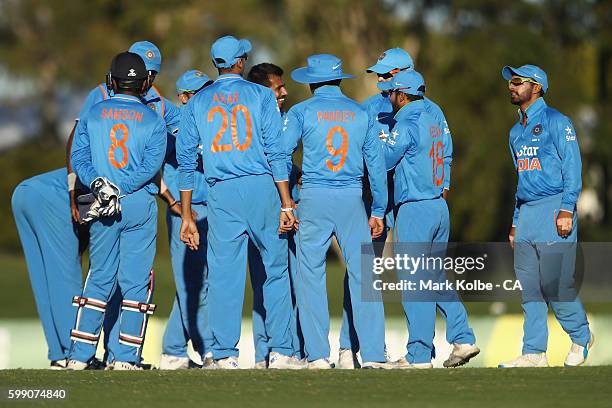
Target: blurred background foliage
x,y
53,51
64,47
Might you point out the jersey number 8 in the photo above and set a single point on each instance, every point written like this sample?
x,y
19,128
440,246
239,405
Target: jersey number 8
x,y
118,144
216,147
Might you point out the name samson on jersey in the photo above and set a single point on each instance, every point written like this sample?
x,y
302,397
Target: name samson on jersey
x,y
121,114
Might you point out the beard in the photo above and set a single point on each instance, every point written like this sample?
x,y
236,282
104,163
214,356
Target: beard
x,y
518,98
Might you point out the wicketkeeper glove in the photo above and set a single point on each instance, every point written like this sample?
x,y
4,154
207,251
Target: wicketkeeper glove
x,y
107,194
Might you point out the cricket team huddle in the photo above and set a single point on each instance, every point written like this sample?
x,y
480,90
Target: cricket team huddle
x,y
223,164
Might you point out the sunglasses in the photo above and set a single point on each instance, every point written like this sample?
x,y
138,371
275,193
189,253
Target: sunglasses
x,y
517,81
389,74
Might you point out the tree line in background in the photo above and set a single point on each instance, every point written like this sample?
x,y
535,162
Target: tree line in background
x,y
459,46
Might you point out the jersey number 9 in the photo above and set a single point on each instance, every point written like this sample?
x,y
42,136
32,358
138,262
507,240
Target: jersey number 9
x,y
118,144
216,147
341,151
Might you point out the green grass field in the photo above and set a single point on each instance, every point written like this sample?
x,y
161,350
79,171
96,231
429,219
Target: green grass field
x,y
464,387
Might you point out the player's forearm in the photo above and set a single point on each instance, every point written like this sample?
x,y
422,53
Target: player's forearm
x,y
187,159
278,161
380,194
69,148
82,166
572,181
186,204
284,193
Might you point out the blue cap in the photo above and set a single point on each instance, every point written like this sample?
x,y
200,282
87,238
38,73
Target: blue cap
x,y
226,51
409,82
321,68
191,81
149,53
395,58
527,71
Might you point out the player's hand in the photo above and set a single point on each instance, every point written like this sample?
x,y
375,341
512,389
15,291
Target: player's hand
x,y
287,222
564,223
74,209
445,194
376,226
511,235
189,234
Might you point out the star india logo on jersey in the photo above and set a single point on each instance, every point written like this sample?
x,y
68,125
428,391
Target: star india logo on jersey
x,y
527,159
569,134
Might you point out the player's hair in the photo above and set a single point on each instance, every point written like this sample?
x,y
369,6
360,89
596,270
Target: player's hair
x,y
260,73
335,82
132,85
413,98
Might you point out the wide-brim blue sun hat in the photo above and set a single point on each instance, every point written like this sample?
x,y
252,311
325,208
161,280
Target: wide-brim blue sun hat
x,y
320,68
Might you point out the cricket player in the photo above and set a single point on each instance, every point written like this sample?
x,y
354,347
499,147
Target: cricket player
x,y
544,229
422,219
118,148
336,136
189,316
52,246
271,76
151,55
238,125
153,98
379,106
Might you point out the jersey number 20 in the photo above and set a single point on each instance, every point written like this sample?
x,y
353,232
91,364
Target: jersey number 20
x,y
216,147
118,144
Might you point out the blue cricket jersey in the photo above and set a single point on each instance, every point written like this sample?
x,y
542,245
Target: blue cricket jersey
x,y
123,140
379,107
547,157
337,136
153,99
171,173
238,125
417,154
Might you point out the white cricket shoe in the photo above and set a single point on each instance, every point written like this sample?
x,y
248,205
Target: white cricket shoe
x,y
208,362
320,364
279,361
578,354
76,365
527,360
461,354
347,360
260,365
403,364
126,366
58,364
376,365
169,362
228,363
